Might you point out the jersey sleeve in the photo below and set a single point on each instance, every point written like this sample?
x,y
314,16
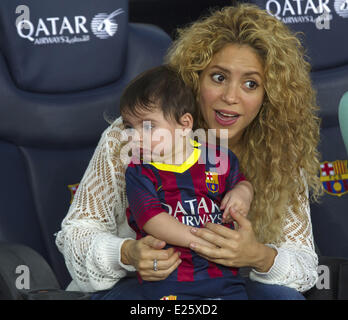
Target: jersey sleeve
x,y
143,200
234,174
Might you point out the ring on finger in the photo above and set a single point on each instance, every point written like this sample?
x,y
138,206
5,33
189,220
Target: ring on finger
x,y
155,265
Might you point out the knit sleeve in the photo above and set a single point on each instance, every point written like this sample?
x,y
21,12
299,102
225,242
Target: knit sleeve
x,y
296,263
95,227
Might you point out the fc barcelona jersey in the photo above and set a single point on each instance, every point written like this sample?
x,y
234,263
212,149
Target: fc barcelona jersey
x,y
190,192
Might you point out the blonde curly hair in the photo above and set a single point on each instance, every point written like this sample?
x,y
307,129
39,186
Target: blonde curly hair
x,y
279,148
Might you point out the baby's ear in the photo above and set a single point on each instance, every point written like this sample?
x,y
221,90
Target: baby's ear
x,y
186,120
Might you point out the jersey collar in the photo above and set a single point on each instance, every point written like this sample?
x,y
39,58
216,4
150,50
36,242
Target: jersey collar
x,y
187,164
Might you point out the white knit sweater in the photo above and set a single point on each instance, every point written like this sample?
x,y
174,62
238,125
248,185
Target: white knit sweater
x,y
96,226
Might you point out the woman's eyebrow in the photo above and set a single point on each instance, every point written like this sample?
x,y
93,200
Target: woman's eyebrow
x,y
250,73
247,73
220,68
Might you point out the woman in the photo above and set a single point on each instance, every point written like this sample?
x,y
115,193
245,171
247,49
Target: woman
x,y
250,77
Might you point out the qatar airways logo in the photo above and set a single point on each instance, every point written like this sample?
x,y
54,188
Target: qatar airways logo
x,y
104,25
298,11
319,12
65,30
200,212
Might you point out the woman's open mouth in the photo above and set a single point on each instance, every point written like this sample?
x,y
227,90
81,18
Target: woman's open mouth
x,y
226,118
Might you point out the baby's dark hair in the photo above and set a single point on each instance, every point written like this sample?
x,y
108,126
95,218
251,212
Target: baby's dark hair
x,y
160,87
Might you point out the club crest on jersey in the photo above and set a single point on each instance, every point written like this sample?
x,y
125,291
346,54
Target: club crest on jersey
x,y
212,181
73,188
334,177
171,297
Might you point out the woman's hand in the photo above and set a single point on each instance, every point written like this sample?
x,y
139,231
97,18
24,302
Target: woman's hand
x,y
237,248
237,200
141,254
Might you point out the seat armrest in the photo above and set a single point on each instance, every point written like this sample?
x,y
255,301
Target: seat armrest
x,y
343,280
54,294
333,281
23,268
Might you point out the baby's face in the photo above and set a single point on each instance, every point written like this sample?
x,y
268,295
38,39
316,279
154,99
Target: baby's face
x,y
154,137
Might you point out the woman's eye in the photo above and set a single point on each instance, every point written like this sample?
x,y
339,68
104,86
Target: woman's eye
x,y
217,77
251,84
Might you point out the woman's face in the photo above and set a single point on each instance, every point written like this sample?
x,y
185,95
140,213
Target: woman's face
x,y
231,90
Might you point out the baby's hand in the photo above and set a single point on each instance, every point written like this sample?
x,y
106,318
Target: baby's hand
x,y
234,202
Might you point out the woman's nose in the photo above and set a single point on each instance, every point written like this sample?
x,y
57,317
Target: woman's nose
x,y
230,94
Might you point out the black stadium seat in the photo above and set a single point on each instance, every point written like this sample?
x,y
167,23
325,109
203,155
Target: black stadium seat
x,y
63,66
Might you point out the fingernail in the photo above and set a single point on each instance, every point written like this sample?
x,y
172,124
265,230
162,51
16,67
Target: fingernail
x,y
192,245
193,230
